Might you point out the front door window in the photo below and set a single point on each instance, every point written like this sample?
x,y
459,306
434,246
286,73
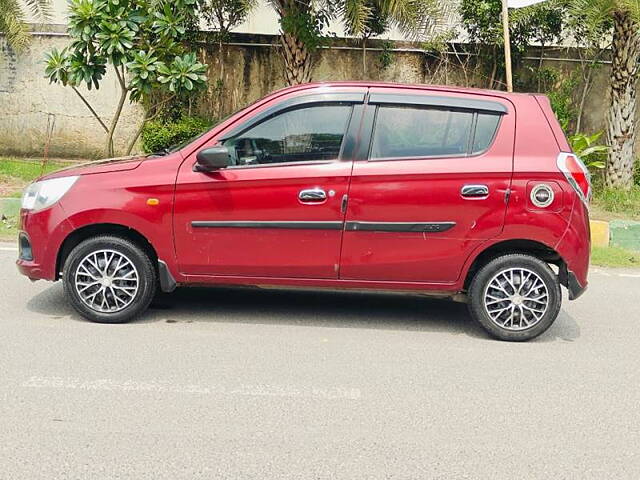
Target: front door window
x,y
302,135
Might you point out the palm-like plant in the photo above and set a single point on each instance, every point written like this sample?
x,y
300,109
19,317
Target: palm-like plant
x,y
620,18
12,20
370,18
303,23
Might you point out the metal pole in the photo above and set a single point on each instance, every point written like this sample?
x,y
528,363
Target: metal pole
x,y
507,45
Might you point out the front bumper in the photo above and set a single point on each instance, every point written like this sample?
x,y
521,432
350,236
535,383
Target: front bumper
x,y
40,238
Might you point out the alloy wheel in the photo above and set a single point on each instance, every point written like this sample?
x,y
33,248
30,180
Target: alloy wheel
x,y
516,299
106,281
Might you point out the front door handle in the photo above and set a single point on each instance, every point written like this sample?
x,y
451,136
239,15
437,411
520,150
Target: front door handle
x,y
312,195
474,191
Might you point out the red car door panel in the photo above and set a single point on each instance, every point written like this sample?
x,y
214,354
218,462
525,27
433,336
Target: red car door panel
x,y
407,218
251,222
277,212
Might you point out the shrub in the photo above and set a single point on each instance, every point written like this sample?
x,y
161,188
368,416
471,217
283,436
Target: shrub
x,y
160,135
586,147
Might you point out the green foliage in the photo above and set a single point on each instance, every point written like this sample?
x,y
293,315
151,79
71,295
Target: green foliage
x,y
142,37
223,15
307,24
161,135
540,23
619,201
371,18
586,147
143,40
560,93
386,57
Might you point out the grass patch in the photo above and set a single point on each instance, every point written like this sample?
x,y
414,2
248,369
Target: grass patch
x,y
8,229
16,173
26,169
610,204
614,257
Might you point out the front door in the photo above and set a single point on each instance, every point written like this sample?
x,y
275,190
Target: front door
x,y
277,212
430,186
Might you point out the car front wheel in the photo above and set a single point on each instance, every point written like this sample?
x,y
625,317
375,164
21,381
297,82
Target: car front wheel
x,y
515,297
109,279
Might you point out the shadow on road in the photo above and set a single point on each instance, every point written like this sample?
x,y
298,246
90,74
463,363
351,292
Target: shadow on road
x,y
306,308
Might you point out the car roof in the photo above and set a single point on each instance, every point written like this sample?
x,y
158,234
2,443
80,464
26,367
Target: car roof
x,y
408,86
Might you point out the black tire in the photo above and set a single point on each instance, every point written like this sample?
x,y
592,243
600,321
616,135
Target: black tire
x,y
516,333
146,276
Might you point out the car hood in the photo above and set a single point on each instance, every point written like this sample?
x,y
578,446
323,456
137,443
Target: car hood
x,y
106,165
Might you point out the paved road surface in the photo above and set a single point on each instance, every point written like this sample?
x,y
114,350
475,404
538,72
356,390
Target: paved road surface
x,y
273,384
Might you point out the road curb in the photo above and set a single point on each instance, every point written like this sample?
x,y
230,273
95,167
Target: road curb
x,y
619,233
599,233
625,234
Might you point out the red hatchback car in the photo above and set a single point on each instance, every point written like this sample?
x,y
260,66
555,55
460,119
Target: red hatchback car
x,y
443,191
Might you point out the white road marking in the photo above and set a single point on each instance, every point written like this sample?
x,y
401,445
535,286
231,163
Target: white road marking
x,y
8,249
259,390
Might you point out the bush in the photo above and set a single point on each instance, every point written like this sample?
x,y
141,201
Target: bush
x,y
621,202
159,135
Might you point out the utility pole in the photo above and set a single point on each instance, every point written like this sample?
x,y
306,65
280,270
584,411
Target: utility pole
x,y
507,45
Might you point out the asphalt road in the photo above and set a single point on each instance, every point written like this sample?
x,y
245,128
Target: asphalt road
x,y
275,384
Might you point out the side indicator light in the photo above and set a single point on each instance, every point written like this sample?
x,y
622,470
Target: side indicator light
x,y
153,202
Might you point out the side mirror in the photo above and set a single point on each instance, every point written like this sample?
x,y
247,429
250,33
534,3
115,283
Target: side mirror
x,y
213,158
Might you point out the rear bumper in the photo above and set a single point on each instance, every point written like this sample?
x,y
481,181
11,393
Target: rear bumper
x,y
573,286
575,248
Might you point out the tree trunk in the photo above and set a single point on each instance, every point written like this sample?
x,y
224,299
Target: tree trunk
x,y
297,60
364,58
622,109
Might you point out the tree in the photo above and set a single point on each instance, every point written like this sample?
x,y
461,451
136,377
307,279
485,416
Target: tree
x,y
371,18
540,23
222,16
620,19
140,41
303,23
12,20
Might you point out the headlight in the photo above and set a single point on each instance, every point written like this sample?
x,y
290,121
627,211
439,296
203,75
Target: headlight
x,y
43,194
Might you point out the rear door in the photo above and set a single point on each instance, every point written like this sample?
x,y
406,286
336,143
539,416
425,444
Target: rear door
x,y
430,184
278,211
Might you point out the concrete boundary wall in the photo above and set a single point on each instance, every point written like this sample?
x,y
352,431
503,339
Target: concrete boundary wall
x,y
35,115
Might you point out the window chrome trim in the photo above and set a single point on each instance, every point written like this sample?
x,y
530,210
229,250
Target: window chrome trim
x,y
438,101
291,103
468,154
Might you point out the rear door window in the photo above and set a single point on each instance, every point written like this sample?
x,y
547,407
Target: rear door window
x,y
412,131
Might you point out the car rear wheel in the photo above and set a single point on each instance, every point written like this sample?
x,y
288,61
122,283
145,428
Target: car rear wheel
x,y
109,279
515,297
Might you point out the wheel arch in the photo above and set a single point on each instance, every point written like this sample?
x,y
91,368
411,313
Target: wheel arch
x,y
88,231
529,247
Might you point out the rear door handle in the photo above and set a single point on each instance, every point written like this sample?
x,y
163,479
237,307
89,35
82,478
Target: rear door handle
x,y
312,195
474,191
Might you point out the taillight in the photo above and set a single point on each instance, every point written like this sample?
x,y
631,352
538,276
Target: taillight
x,y
576,173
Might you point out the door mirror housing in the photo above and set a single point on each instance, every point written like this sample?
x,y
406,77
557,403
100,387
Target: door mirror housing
x,y
213,158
